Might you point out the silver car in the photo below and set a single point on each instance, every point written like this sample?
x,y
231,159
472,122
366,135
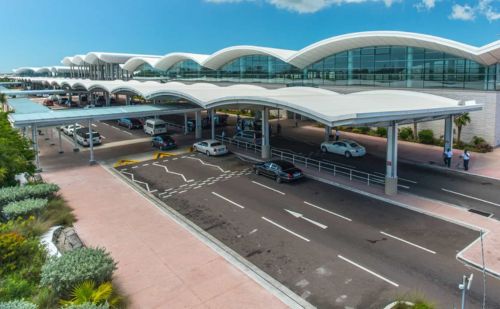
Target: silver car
x,y
210,147
347,148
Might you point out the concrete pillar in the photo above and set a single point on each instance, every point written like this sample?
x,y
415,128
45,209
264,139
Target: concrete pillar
x,y
91,143
266,147
108,99
75,144
127,100
448,133
60,140
328,131
391,177
198,129
212,123
185,124
34,139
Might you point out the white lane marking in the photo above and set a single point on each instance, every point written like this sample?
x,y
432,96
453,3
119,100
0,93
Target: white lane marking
x,y
183,191
197,187
126,132
328,211
403,179
153,191
94,125
407,242
179,174
134,180
103,137
228,200
471,197
146,164
258,183
105,124
116,128
183,185
404,187
301,216
368,271
285,229
165,160
174,159
252,231
135,166
208,164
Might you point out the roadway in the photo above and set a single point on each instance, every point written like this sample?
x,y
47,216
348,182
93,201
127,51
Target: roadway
x,y
335,248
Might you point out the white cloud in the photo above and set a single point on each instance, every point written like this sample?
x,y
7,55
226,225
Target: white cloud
x,y
462,12
308,6
425,5
486,8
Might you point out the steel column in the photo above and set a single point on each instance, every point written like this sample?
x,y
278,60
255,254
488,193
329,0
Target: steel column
x,y
391,177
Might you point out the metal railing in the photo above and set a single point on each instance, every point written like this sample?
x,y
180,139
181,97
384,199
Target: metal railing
x,y
321,166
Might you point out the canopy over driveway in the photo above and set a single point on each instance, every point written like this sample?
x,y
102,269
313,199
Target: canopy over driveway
x,y
366,108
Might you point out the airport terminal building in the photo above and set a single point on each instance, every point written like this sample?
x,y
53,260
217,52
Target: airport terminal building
x,y
344,64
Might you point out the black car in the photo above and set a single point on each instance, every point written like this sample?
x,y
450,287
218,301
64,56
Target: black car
x,y
163,142
279,170
131,123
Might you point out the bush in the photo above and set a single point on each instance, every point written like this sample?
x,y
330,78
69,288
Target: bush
x,y
14,194
381,131
88,306
476,140
46,298
426,137
405,133
15,287
76,266
88,292
17,304
24,208
22,255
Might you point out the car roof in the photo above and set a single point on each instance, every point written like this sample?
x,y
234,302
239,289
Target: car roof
x,y
211,141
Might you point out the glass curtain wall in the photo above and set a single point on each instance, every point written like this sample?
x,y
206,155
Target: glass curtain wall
x,y
147,71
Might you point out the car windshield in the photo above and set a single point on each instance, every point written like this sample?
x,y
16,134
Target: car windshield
x,y
160,125
285,165
215,144
94,135
135,121
354,145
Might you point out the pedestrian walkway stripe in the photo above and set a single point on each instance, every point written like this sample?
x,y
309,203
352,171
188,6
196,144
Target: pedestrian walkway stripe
x,y
367,270
407,242
471,197
285,229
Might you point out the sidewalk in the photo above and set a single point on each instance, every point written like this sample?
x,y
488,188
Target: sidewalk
x,y
471,254
483,164
160,264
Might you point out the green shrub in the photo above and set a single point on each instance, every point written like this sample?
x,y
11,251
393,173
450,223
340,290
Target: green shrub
x,y
405,133
426,137
76,266
381,131
88,306
25,256
476,140
15,287
46,298
17,304
88,292
24,208
14,194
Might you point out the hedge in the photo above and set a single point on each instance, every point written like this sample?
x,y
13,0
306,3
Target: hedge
x,y
17,304
75,266
24,208
14,194
88,306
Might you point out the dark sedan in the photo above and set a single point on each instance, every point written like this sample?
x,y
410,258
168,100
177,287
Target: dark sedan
x,y
163,142
279,170
130,123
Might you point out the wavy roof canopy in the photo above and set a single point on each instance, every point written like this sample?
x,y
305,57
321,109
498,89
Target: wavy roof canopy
x,y
327,107
133,63
167,61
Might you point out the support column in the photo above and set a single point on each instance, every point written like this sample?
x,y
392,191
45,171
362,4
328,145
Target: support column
x,y
185,124
328,131
60,140
197,130
34,138
75,143
448,133
212,123
266,147
91,143
108,100
391,177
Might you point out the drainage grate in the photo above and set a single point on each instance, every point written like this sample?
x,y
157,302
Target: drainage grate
x,y
479,212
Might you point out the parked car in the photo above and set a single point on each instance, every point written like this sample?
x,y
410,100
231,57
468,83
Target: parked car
x,y
163,142
210,147
69,129
48,102
83,137
254,137
131,123
279,170
155,126
347,148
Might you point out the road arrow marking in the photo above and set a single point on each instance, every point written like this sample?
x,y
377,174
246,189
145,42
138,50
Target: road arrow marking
x,y
301,216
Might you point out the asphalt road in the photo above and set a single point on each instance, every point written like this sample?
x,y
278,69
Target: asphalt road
x,y
335,248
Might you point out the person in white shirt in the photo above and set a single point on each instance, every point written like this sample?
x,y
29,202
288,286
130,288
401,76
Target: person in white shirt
x,y
466,157
337,135
448,155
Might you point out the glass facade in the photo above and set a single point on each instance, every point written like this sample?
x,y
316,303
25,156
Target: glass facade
x,y
376,66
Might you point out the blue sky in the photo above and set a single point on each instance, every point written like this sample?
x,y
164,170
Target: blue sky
x,y
42,32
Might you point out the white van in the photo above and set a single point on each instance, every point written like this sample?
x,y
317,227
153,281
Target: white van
x,y
155,127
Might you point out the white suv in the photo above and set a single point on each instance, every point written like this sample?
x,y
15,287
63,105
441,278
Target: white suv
x,y
69,129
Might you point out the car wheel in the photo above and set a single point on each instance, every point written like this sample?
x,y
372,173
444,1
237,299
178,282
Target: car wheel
x,y
257,172
323,149
208,153
348,154
278,179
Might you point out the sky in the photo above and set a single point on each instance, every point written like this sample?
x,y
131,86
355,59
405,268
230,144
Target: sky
x,y
42,32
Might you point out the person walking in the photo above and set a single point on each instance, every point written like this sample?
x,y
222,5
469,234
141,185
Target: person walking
x,y
466,157
278,129
448,156
337,135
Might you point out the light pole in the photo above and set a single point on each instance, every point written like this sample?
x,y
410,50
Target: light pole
x,y
465,285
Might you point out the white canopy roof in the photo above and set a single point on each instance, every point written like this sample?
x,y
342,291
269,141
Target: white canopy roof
x,y
328,107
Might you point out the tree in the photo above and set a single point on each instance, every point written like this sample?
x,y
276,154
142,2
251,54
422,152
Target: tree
x,y
16,155
3,100
461,121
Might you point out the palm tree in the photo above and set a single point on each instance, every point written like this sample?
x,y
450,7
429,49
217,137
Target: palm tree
x,y
461,121
3,100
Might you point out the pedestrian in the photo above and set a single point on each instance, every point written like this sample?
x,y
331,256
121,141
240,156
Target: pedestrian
x,y
278,129
270,129
296,123
337,135
448,155
223,134
238,118
466,157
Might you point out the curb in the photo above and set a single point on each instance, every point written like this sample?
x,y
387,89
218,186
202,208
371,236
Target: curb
x,y
270,284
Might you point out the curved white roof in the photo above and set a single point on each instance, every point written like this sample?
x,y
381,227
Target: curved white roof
x,y
167,61
133,63
328,107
